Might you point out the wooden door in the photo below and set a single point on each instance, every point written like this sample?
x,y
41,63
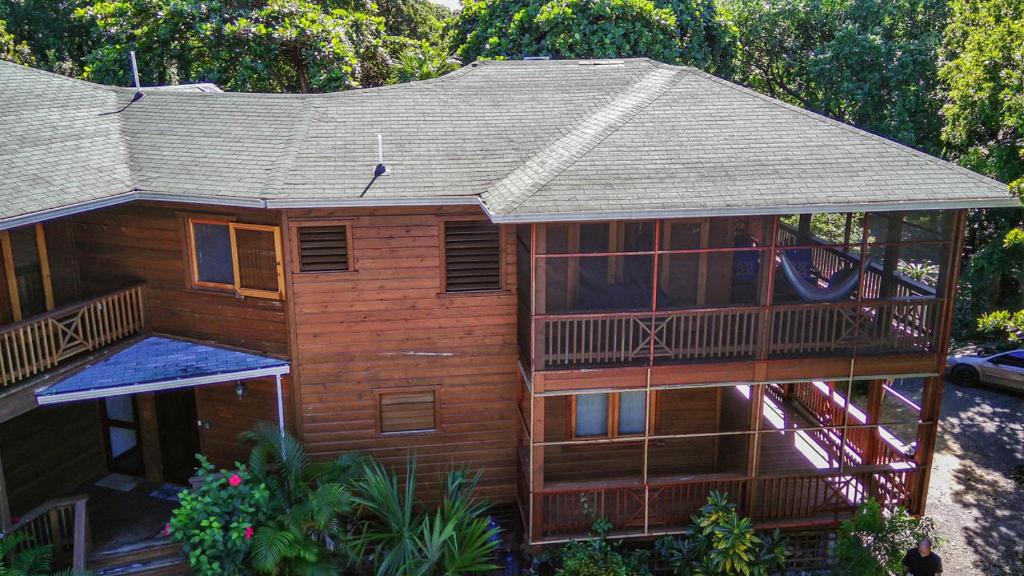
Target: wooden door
x,y
179,435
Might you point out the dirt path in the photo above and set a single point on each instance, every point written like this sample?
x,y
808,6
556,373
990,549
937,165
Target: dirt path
x,y
973,496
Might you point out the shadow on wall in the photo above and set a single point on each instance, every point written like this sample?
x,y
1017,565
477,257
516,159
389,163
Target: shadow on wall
x,y
977,487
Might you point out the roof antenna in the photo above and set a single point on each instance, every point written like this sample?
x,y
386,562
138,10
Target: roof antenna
x,y
380,169
135,70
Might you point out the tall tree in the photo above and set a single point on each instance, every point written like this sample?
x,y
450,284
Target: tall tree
x,y
271,45
57,41
983,70
684,31
866,62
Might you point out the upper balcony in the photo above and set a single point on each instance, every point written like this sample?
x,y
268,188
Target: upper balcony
x,y
650,293
44,341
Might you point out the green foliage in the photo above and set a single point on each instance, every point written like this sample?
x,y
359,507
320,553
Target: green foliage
x,y
566,28
685,31
600,557
305,529
721,543
12,50
866,62
272,46
48,33
454,539
215,521
873,542
420,20
423,62
18,557
983,71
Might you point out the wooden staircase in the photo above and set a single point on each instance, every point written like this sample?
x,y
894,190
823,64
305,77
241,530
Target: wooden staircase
x,y
156,557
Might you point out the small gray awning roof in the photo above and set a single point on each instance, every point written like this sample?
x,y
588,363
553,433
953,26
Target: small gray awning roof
x,y
157,363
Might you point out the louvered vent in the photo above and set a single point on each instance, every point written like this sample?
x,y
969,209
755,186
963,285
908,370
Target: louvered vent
x,y
472,256
323,249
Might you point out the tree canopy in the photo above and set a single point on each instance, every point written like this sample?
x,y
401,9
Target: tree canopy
x,y
944,76
671,31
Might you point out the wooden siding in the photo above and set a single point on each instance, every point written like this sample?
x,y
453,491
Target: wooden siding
x,y
228,416
385,326
50,451
146,242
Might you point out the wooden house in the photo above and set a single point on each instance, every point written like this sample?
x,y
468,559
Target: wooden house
x,y
609,286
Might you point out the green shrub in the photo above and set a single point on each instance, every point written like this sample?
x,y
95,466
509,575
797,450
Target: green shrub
x,y
18,557
873,542
454,539
215,521
721,543
600,557
307,529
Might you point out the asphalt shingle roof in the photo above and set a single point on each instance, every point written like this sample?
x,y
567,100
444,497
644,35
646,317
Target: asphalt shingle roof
x,y
529,141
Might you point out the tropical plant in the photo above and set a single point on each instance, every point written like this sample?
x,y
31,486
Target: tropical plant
x,y
924,272
307,527
721,543
454,539
423,62
18,557
598,556
873,542
214,522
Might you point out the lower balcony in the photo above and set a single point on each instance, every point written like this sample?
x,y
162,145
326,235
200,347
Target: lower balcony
x,y
46,341
816,452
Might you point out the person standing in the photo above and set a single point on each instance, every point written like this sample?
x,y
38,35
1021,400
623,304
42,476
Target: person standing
x,y
921,561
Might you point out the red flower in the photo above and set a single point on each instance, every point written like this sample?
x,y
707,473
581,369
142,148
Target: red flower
x,y
235,480
248,532
167,530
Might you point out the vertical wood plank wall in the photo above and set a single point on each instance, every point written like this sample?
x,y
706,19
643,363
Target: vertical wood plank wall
x,y
385,326
50,451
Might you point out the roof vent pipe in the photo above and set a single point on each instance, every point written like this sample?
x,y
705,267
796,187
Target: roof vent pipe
x,y
381,169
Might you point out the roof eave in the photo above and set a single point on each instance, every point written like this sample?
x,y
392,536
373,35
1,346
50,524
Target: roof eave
x,y
590,216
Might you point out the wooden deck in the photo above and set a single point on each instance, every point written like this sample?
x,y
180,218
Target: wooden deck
x,y
804,478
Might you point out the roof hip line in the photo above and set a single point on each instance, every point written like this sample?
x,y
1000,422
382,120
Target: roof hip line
x,y
517,187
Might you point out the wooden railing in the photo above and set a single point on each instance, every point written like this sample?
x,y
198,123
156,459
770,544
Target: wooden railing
x,y
41,342
768,500
828,260
61,523
623,338
863,445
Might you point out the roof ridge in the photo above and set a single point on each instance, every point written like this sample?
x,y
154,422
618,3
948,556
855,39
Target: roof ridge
x,y
553,159
850,128
280,170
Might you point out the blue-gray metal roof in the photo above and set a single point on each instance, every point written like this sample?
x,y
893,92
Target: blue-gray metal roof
x,y
159,362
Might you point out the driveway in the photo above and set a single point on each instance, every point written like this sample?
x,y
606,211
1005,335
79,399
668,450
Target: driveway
x,y
974,497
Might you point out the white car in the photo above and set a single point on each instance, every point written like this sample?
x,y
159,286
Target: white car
x,y
1005,369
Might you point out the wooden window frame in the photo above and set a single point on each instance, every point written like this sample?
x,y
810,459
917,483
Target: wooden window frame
x,y
235,287
502,256
233,227
7,251
378,419
613,416
293,232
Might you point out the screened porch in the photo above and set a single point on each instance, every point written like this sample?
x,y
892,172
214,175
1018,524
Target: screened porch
x,y
733,288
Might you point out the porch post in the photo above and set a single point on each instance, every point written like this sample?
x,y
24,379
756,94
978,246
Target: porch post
x,y
280,405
